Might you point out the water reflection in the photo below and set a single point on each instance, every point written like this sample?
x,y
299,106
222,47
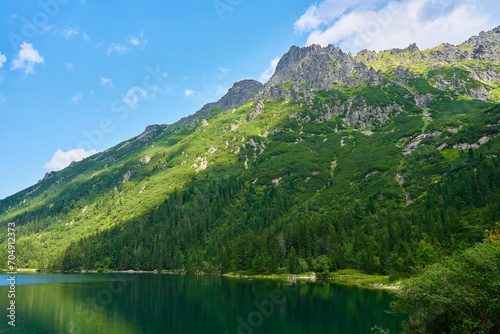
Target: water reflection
x,y
148,303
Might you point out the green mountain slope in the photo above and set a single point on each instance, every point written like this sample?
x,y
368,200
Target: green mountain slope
x,y
384,162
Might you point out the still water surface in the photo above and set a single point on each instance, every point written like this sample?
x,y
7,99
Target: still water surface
x,y
148,303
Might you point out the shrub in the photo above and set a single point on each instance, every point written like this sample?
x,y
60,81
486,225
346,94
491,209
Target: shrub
x,y
458,295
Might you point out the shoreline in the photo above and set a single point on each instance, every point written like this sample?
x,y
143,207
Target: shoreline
x,y
349,277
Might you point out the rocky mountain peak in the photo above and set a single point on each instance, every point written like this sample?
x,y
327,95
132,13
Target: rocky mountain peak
x,y
485,45
242,92
486,38
48,175
297,54
318,68
149,131
151,128
413,48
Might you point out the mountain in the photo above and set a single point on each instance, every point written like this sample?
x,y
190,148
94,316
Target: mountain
x,y
242,92
383,161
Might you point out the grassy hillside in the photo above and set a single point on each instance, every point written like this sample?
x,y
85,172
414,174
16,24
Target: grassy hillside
x,y
385,177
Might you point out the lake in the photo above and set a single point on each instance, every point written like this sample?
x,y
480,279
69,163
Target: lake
x,y
162,303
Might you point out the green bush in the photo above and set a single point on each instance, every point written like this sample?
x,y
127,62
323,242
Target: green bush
x,y
458,295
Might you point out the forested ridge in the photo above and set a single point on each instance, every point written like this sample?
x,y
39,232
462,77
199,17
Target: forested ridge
x,y
385,162
229,226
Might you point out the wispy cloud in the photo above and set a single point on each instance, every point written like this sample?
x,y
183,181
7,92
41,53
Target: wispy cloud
x,y
3,59
118,48
222,72
138,40
188,92
268,73
106,82
132,42
69,66
61,159
77,97
382,24
12,16
47,28
69,33
135,95
26,59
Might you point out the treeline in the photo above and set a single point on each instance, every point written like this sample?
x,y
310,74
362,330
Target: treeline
x,y
229,226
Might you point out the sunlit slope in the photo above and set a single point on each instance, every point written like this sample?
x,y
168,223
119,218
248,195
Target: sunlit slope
x,y
330,136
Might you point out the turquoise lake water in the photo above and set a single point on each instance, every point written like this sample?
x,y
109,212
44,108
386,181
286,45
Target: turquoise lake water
x,y
149,303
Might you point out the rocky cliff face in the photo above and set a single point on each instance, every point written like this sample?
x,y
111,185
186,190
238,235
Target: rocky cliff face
x,y
318,68
485,46
302,72
241,93
150,131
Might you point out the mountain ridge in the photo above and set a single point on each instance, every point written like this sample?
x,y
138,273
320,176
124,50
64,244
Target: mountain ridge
x,y
336,155
300,51
483,45
295,50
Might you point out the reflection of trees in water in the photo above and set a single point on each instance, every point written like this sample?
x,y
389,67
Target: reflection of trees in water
x,y
203,304
75,308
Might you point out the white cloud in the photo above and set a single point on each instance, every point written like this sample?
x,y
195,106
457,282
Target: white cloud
x,y
77,97
12,16
138,40
267,74
48,27
106,82
323,13
188,92
3,59
69,33
135,95
69,66
223,72
26,59
61,159
118,48
132,41
383,24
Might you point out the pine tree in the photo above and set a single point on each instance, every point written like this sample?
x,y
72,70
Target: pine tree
x,y
293,262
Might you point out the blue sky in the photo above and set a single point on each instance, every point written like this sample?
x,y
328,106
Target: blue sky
x,y
78,77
